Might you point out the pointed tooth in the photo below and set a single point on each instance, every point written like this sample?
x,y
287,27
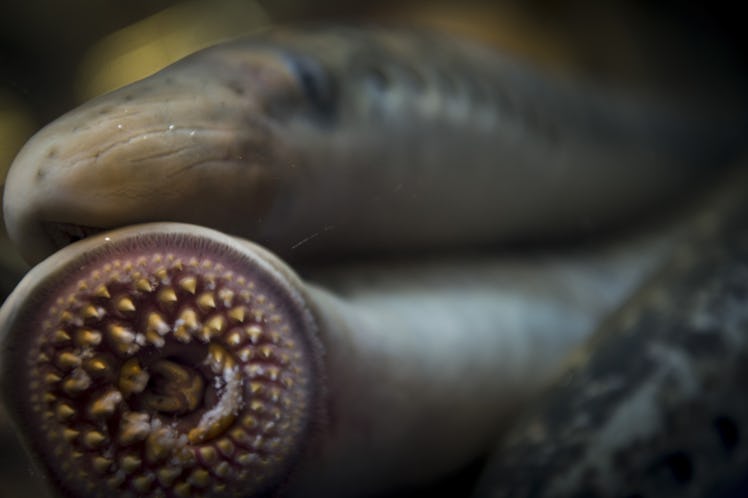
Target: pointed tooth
x,y
206,301
69,434
78,382
167,295
93,439
254,332
68,360
188,284
125,305
60,337
102,464
167,475
101,291
132,378
144,285
92,311
143,483
105,405
130,463
87,337
157,324
200,478
134,427
226,296
64,411
237,313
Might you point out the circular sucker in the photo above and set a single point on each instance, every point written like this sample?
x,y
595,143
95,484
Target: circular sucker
x,y
162,362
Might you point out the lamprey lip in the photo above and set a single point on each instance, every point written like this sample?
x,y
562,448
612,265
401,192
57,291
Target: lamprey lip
x,y
160,364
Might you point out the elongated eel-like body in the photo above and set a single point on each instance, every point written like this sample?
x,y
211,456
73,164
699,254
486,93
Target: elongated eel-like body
x,y
325,142
655,405
172,360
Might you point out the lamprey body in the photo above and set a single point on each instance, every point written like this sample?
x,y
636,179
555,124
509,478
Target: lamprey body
x,y
332,141
172,360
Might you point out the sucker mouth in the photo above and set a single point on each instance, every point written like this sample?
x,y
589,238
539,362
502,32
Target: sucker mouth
x,y
64,234
165,366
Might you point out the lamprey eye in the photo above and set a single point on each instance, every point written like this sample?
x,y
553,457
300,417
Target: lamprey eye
x,y
162,365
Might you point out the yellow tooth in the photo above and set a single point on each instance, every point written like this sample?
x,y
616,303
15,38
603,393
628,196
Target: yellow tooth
x,y
254,332
182,490
134,427
257,406
132,377
185,325
226,296
61,337
143,483
273,372
208,455
240,436
237,313
69,434
255,387
116,480
206,301
167,475
249,422
144,285
130,463
92,311
247,459
225,446
266,351
167,295
121,335
105,405
68,360
101,291
223,470
214,429
200,478
87,337
159,444
52,378
64,411
102,464
93,439
234,338
212,328
157,324
67,317
96,365
155,339
188,284
162,274
125,305
77,382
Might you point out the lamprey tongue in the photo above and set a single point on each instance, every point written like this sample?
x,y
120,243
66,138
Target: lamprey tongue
x,y
161,365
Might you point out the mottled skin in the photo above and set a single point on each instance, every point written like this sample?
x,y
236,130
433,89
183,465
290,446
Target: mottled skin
x,y
654,406
286,128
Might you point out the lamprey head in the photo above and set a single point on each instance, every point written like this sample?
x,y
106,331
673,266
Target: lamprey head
x,y
163,148
162,360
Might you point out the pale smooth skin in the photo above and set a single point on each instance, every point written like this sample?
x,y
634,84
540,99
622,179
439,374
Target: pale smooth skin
x,y
424,367
288,127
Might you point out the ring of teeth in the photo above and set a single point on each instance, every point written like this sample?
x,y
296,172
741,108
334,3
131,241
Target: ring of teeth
x,y
167,377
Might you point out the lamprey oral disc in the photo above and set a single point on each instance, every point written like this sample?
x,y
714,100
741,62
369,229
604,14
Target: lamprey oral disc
x,y
126,383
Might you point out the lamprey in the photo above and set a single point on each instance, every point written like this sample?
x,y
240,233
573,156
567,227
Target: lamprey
x,y
172,360
344,141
